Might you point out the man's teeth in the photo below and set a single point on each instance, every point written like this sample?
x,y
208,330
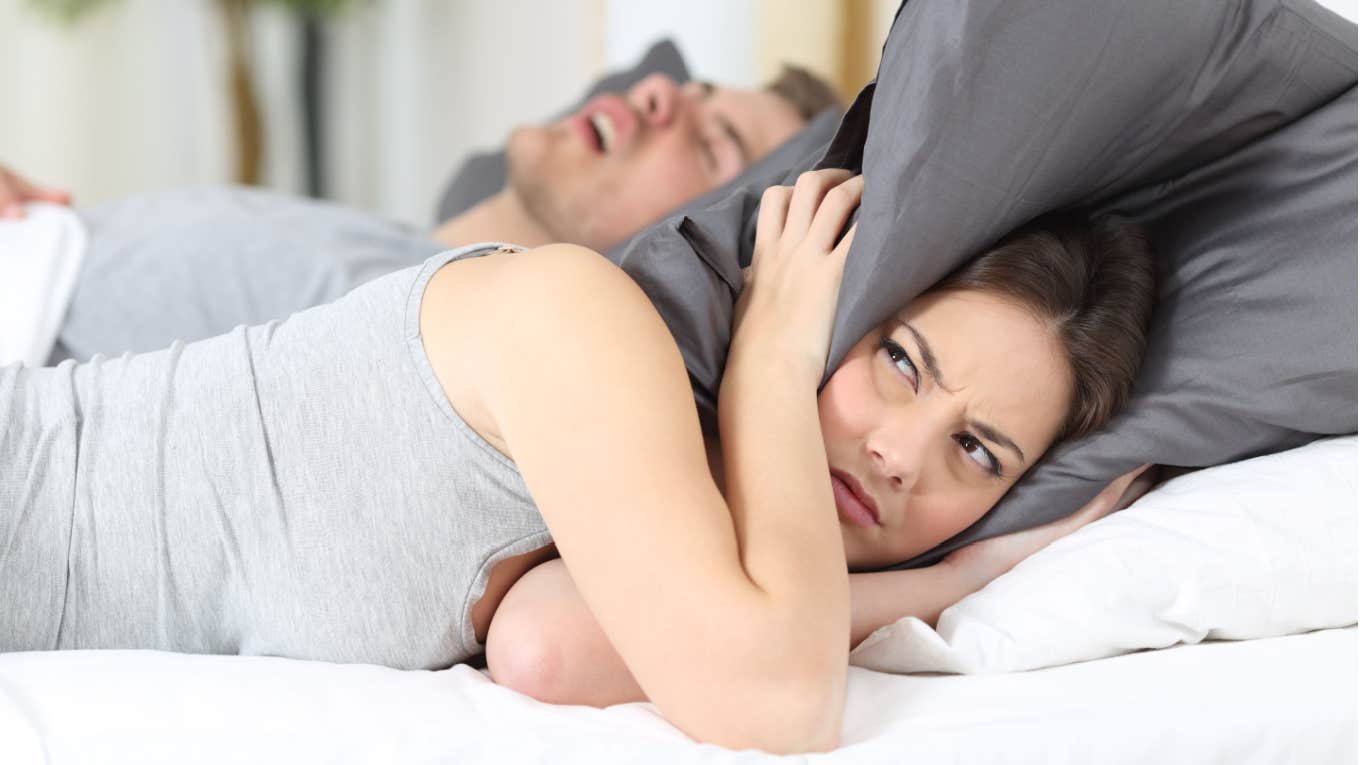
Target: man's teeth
x,y
605,128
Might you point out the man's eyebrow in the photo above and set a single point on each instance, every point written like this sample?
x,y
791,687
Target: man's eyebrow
x,y
732,133
933,369
707,89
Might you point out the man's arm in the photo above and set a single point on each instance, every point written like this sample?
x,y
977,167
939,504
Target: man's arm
x,y
15,190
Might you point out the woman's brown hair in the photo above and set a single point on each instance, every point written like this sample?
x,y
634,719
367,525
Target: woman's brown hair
x,y
1093,280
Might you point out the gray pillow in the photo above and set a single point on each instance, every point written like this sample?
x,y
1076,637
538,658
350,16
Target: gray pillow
x,y
691,272
483,174
989,112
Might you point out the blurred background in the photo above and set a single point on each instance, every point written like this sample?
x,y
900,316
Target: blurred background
x,y
371,103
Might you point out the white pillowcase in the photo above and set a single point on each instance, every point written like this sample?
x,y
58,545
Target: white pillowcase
x,y
1258,548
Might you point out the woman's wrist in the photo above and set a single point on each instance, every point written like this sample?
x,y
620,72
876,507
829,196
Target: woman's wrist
x,y
770,360
957,582
774,461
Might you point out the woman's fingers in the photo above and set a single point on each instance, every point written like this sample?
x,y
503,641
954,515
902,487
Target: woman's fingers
x,y
1141,482
774,208
808,192
1109,498
1123,481
842,250
810,214
834,211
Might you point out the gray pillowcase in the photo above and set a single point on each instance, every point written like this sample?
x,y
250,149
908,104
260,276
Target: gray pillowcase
x,y
987,113
691,272
484,174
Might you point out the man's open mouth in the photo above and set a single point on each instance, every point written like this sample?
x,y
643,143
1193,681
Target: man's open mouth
x,y
605,134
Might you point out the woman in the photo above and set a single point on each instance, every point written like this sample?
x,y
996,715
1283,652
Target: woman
x,y
339,485
544,641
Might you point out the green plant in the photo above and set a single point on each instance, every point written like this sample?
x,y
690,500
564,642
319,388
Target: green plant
x,y
70,10
67,10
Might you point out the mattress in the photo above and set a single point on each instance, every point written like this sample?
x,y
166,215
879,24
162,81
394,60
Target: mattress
x,y
1276,700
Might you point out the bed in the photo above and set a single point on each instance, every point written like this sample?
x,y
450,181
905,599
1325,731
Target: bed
x,y
1212,621
1285,699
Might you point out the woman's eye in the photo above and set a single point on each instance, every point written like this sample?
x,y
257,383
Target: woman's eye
x,y
979,454
901,360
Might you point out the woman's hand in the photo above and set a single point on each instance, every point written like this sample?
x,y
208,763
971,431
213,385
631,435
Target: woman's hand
x,y
15,191
979,563
788,303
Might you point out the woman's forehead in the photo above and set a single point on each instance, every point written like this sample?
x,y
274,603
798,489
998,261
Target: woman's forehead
x,y
1007,364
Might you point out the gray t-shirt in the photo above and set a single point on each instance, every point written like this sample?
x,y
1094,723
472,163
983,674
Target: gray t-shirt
x,y
298,488
190,264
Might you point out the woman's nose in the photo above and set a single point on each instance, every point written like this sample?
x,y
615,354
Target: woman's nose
x,y
655,98
898,451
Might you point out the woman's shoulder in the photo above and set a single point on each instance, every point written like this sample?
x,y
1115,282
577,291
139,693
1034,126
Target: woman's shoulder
x,y
506,313
537,279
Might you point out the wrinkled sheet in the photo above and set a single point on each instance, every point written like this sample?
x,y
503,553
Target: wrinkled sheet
x,y
1277,700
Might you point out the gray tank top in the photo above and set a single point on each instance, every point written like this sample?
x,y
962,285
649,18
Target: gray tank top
x,y
192,263
300,488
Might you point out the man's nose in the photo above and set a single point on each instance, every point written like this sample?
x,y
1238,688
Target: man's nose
x,y
656,99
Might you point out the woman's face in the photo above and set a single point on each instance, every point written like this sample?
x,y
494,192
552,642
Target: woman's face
x,y
935,414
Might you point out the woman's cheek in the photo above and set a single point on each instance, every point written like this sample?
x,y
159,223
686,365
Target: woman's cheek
x,y
965,510
849,403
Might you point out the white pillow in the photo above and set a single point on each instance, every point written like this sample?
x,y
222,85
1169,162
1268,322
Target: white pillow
x,y
40,258
1257,548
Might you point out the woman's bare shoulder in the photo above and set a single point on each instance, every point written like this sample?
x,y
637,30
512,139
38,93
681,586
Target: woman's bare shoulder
x,y
481,310
507,281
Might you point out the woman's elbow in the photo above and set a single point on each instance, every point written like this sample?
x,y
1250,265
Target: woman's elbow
x,y
526,661
522,651
545,643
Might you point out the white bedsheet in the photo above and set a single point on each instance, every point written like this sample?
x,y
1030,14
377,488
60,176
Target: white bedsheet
x,y
1288,699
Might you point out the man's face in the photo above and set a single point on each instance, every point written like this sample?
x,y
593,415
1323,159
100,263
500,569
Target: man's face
x,y
624,160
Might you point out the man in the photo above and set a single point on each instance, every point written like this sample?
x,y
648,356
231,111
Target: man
x,y
624,160
189,264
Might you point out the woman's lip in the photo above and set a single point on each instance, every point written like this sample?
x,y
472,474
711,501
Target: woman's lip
x,y
849,502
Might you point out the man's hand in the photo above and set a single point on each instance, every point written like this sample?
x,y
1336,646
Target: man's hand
x,y
15,190
980,562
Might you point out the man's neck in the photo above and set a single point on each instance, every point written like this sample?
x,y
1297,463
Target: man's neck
x,y
499,218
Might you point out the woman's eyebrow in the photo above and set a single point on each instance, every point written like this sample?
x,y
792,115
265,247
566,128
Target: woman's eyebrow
x,y
927,355
933,369
996,437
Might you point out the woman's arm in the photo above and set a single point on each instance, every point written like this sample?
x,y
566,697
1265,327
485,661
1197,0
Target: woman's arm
x,y
545,643
737,645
